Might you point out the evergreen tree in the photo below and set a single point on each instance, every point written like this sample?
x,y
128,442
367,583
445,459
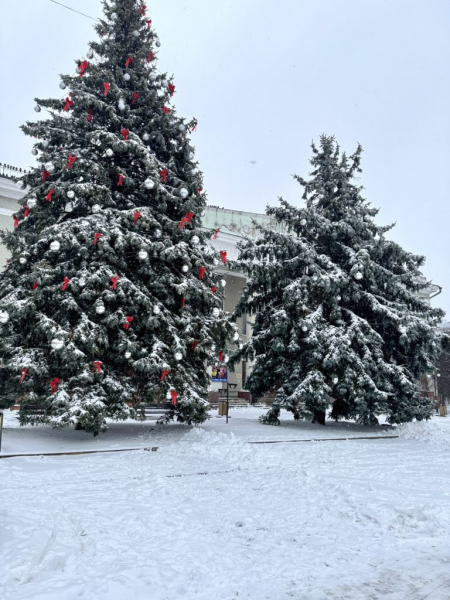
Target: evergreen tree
x,y
110,298
336,311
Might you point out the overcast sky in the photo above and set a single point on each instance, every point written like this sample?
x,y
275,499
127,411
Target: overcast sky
x,y
264,78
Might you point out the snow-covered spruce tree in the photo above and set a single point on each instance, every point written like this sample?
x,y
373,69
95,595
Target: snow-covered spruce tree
x,y
110,298
336,314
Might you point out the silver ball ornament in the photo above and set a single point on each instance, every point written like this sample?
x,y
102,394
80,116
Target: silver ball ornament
x,y
127,355
195,240
109,152
146,137
127,77
37,108
184,193
358,275
71,194
143,254
182,127
62,85
34,152
185,268
49,166
158,43
178,356
55,246
136,33
100,309
22,260
149,184
57,344
304,328
303,222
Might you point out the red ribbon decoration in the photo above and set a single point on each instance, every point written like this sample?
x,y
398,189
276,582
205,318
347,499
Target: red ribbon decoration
x,y
216,233
200,190
68,104
164,373
97,366
54,384
50,194
106,87
141,11
114,280
83,66
194,344
136,215
189,216
26,212
128,62
174,395
90,115
72,159
223,256
202,272
16,221
24,373
120,182
97,236
194,126
163,175
35,284
183,303
182,223
214,289
171,89
65,284
45,175
125,133
150,56
149,22
135,97
166,110
128,321
221,356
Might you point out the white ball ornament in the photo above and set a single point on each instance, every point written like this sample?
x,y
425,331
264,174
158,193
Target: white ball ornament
x,y
215,312
178,356
127,77
223,282
153,74
168,396
136,33
71,194
182,127
184,193
109,152
31,202
55,246
121,104
303,222
100,309
82,282
68,208
335,380
34,152
127,354
96,208
358,275
45,143
22,260
4,317
57,344
49,166
195,240
146,137
236,336
156,310
143,254
62,85
149,184
304,328
185,268
37,108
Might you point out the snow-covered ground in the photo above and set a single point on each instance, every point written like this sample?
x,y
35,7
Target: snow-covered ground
x,y
211,517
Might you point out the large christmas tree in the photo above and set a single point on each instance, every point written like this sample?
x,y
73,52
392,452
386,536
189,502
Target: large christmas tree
x,y
337,315
110,297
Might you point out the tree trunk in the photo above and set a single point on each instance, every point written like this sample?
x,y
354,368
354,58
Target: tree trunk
x,y
319,417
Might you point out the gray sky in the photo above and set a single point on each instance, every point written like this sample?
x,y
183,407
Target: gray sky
x,y
266,77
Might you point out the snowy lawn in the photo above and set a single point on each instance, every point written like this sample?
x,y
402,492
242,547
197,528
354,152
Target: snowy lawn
x,y
210,517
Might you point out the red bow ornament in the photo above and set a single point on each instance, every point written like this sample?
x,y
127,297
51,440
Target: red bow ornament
x,y
125,133
16,221
24,374
141,11
90,115
68,104
35,284
129,320
136,216
106,87
71,160
183,303
120,182
166,110
189,216
221,356
135,97
164,374
171,89
26,212
194,344
216,233
128,62
83,66
174,395
50,194
150,56
149,22
223,256
97,236
54,384
202,272
45,175
182,223
97,366
163,175
114,280
65,284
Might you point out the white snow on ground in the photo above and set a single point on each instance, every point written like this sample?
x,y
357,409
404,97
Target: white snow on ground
x,y
210,517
